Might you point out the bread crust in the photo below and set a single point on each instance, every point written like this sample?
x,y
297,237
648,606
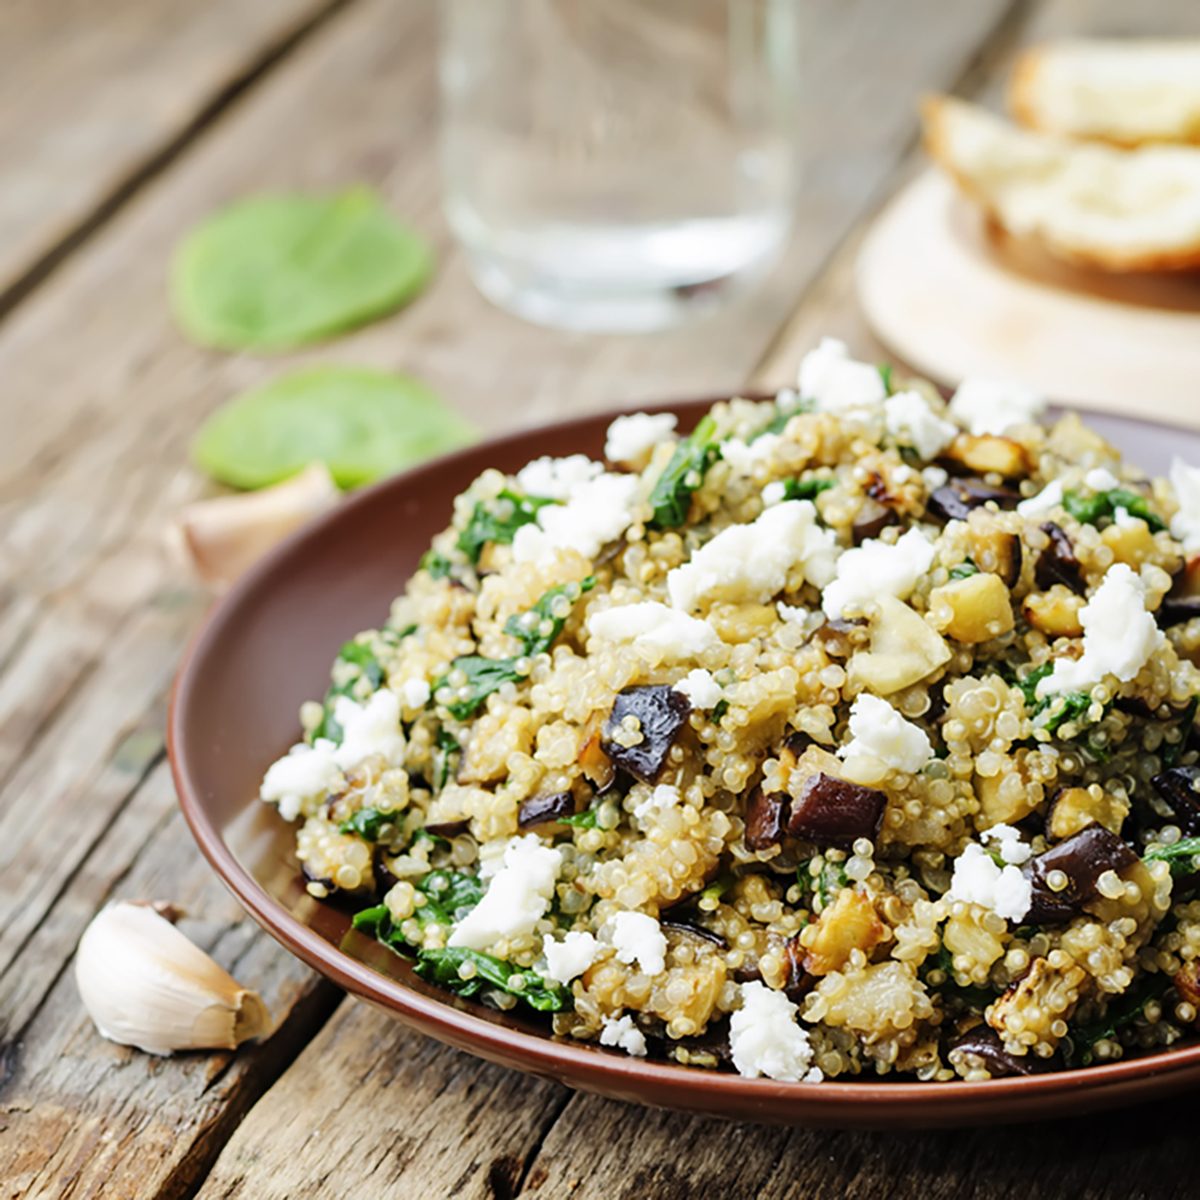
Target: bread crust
x,y
938,113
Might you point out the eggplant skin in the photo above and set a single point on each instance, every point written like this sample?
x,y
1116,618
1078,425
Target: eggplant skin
x,y
661,712
766,819
984,1043
1057,563
538,810
832,812
955,500
1082,858
1178,787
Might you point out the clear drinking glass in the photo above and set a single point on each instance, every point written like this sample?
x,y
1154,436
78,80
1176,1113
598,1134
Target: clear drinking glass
x,y
615,164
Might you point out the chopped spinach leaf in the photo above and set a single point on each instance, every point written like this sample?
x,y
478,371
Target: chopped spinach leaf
x,y
964,570
805,489
360,655
447,743
1069,706
1088,510
438,565
484,676
720,709
487,525
443,967
672,493
718,887
1181,856
1173,750
1080,1043
1028,685
538,627
367,822
583,820
449,896
779,421
824,886
885,373
968,995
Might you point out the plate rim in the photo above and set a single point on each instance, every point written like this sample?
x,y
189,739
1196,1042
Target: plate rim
x,y
562,1058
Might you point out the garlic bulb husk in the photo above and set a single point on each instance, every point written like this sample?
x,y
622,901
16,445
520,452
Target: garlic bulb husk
x,y
145,984
217,539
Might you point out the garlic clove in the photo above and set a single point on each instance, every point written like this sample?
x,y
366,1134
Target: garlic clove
x,y
145,984
219,538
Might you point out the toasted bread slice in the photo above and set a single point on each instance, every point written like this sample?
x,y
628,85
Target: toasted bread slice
x,y
1127,92
1086,203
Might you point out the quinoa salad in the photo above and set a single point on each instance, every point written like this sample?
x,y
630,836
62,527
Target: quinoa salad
x,y
851,733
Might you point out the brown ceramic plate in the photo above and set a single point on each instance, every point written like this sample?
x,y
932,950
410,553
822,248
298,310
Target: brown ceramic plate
x,y
267,647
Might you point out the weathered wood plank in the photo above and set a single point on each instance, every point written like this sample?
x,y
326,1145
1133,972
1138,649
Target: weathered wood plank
x,y
93,97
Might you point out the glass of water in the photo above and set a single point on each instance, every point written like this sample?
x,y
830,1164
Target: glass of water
x,y
616,164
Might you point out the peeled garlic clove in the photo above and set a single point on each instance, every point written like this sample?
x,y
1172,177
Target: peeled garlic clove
x,y
219,538
145,984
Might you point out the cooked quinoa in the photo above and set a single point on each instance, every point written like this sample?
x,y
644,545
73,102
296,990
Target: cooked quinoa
x,y
853,732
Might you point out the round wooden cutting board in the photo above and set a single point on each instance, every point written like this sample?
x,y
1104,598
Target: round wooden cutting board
x,y
953,297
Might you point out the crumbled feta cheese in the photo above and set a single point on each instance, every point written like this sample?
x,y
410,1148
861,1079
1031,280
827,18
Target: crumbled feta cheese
x,y
638,937
1119,636
1048,499
774,493
652,626
745,456
753,562
787,400
878,567
415,692
596,512
624,1035
765,1038
978,880
1008,844
909,419
903,473
791,612
1101,479
701,689
658,799
1185,525
631,438
517,897
934,477
837,382
569,958
995,405
557,478
882,740
369,729
303,773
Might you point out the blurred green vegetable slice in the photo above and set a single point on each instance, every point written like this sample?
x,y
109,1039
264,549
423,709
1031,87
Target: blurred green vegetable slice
x,y
270,272
363,424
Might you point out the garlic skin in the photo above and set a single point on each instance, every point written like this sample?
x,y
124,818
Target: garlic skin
x,y
145,984
217,539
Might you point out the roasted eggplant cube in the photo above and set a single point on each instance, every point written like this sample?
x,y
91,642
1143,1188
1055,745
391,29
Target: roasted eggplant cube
x,y
1178,787
1082,859
1057,563
661,713
981,1047
955,500
835,812
871,520
538,810
766,818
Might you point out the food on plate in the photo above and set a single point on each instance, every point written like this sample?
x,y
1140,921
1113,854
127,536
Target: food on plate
x,y
272,272
685,752
1126,91
1088,204
361,423
145,984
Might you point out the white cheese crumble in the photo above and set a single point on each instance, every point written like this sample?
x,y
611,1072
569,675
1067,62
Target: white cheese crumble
x,y
766,1040
556,478
568,959
653,626
774,493
753,562
995,405
1101,479
303,773
639,938
839,384
631,438
517,897
701,689
878,567
978,880
934,477
791,612
597,512
662,797
745,456
882,740
1048,499
1119,636
624,1035
370,728
415,692
1008,844
1185,524
909,419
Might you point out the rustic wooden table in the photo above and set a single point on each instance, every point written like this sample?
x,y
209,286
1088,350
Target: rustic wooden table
x,y
119,126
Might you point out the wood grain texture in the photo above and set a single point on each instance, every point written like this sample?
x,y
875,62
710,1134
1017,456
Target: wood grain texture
x,y
92,97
